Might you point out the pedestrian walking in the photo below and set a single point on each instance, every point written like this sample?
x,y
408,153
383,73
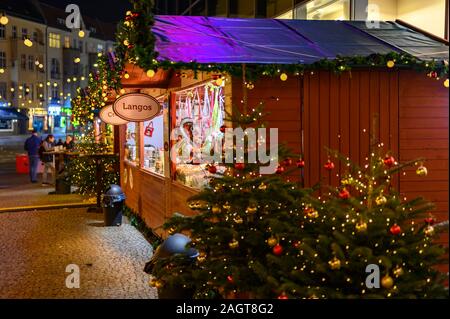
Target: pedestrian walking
x,y
32,145
47,159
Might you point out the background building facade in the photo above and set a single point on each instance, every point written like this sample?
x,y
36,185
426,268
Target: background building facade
x,y
40,79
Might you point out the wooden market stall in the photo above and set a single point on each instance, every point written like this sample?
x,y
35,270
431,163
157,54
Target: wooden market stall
x,y
407,110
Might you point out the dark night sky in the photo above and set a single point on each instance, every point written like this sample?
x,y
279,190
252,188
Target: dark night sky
x,y
105,10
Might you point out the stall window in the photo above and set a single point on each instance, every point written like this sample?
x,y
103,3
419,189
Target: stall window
x,y
154,143
199,114
132,144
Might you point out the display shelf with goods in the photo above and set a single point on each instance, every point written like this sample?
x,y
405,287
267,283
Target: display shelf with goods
x,y
198,113
131,154
153,156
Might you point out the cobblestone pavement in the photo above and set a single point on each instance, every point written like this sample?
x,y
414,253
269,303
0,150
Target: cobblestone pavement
x,y
16,190
36,247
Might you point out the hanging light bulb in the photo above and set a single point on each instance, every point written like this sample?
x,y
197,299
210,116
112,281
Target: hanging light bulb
x,y
4,20
77,60
81,33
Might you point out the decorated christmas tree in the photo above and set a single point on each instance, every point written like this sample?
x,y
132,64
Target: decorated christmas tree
x,y
244,231
367,241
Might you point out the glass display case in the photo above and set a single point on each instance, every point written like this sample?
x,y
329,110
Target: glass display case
x,y
132,143
198,115
153,159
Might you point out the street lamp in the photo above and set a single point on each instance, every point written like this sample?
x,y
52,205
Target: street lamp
x,y
28,43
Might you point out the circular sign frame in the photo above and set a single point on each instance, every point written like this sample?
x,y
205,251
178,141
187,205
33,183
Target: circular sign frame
x,y
105,116
143,107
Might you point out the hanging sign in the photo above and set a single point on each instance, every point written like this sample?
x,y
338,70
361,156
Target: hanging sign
x,y
108,116
137,107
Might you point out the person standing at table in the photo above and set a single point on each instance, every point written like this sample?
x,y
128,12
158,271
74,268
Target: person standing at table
x,y
32,145
69,144
47,159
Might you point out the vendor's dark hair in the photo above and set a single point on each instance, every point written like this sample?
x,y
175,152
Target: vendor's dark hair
x,y
49,137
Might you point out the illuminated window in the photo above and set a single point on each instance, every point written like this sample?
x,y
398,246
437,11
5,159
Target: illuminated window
x,y
154,143
196,131
324,10
67,42
54,40
132,144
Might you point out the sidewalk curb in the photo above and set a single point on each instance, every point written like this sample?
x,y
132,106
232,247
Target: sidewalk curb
x,y
45,207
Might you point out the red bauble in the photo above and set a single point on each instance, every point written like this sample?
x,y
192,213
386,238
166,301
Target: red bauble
x,y
212,169
433,74
130,46
389,161
283,296
395,229
223,128
344,194
300,163
430,221
287,161
280,169
230,279
277,249
239,166
296,244
329,165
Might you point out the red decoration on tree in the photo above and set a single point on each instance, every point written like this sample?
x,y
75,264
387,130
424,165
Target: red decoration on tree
x,y
433,74
230,279
277,249
395,229
296,244
212,169
389,161
223,128
430,221
287,161
239,166
344,194
300,163
280,169
329,165
283,296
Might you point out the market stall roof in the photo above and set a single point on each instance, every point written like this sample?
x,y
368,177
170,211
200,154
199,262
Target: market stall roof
x,y
263,41
11,114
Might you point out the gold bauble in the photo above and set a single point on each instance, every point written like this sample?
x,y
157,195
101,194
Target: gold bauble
x,y
238,220
201,257
422,171
226,206
361,227
126,42
311,212
446,83
398,271
390,64
272,241
262,187
283,77
429,231
251,209
156,283
233,244
387,282
216,209
380,200
334,263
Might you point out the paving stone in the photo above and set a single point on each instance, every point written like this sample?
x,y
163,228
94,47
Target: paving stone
x,y
37,247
